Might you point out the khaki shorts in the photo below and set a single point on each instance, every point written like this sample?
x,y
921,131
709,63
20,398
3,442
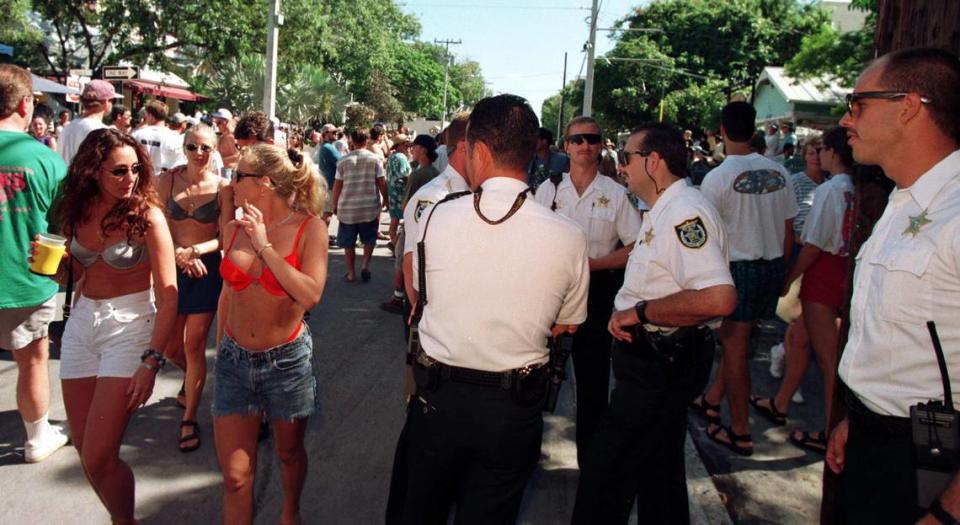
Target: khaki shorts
x,y
21,326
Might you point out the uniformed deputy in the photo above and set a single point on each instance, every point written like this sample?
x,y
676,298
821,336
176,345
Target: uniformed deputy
x,y
601,207
473,429
904,116
677,280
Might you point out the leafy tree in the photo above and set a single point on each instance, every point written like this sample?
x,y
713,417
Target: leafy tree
x,y
697,105
572,105
840,57
701,43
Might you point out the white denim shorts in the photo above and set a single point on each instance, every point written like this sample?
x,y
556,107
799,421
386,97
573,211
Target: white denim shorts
x,y
21,326
105,337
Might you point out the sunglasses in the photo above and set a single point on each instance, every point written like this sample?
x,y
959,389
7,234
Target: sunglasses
x,y
590,138
624,155
203,147
239,175
852,99
121,171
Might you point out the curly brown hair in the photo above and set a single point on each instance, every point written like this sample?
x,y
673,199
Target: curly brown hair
x,y
80,188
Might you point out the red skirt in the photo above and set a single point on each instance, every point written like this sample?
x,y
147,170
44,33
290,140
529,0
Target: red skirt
x,y
825,282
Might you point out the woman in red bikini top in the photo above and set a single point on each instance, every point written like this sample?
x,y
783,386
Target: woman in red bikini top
x,y
274,269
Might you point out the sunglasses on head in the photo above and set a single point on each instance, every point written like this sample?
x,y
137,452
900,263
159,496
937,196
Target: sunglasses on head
x,y
590,138
121,171
206,148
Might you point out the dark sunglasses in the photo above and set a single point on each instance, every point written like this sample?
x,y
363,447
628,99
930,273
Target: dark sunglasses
x,y
624,156
591,138
121,171
239,175
855,98
204,147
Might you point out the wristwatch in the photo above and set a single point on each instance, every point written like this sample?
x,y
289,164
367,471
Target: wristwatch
x,y
641,309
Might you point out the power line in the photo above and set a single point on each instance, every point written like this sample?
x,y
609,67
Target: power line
x,y
496,6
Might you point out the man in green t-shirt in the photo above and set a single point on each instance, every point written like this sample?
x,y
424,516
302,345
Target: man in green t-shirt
x,y
30,175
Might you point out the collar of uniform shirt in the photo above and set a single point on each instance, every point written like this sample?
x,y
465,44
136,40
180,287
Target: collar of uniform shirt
x,y
930,183
503,185
668,195
451,172
567,183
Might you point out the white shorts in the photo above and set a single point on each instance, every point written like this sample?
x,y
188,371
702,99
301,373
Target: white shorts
x,y
21,326
105,338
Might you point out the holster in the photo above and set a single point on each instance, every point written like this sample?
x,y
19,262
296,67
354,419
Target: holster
x,y
530,385
674,348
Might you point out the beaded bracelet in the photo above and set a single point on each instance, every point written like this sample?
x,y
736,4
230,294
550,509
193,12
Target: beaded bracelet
x,y
150,352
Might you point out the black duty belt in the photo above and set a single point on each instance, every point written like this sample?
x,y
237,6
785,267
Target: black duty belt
x,y
504,380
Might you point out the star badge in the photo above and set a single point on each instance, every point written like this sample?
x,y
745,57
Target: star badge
x,y
648,237
916,223
603,202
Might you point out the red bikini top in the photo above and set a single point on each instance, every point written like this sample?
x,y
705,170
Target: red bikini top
x,y
238,280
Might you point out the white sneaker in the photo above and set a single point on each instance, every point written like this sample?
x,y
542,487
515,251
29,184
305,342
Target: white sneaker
x,y
798,397
39,448
777,361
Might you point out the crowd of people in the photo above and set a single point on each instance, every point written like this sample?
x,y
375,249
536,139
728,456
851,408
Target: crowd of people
x,y
649,258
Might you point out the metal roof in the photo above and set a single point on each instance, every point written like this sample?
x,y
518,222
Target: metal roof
x,y
814,90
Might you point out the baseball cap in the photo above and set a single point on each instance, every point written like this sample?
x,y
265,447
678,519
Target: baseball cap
x,y
328,128
99,90
178,118
222,113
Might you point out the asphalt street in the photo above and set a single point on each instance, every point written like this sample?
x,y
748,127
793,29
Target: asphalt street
x,y
359,356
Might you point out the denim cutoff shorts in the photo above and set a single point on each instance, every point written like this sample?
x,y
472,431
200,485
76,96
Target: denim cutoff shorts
x,y
280,381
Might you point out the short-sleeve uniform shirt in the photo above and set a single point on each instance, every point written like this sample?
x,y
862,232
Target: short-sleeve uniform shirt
x,y
359,198
485,309
449,181
831,217
603,212
682,246
907,273
754,197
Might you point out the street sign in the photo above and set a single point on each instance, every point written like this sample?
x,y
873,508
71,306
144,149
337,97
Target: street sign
x,y
120,72
81,72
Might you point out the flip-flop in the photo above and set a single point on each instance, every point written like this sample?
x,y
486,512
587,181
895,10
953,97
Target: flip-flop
x,y
195,435
704,407
732,439
807,440
770,413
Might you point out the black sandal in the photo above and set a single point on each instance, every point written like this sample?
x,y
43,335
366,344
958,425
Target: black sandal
x,y
704,407
770,413
809,441
732,440
195,435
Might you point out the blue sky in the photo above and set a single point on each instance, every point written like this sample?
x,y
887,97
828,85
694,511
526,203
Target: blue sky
x,y
519,43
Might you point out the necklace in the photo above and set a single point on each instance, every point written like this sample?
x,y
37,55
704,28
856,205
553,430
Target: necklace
x,y
281,221
521,197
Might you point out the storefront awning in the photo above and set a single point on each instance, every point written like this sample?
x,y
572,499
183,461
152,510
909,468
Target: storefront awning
x,y
43,85
159,90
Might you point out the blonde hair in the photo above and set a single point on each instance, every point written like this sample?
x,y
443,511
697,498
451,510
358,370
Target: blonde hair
x,y
294,176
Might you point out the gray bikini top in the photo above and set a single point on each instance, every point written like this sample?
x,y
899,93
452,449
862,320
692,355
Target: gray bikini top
x,y
121,256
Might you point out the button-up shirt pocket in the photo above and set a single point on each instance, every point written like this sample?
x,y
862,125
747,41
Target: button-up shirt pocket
x,y
603,232
900,274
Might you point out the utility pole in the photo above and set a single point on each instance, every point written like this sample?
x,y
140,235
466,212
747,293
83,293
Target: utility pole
x,y
274,21
446,75
563,86
591,46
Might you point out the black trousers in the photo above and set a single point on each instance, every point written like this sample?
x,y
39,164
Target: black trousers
x,y
637,451
468,446
591,355
878,483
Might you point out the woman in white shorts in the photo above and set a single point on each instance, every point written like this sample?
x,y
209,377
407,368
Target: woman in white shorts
x,y
119,244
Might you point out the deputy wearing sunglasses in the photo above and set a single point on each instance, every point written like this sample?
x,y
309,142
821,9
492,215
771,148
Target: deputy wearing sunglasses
x,y
198,203
677,280
599,205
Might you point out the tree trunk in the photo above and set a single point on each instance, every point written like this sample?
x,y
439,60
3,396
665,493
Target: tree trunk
x,y
900,24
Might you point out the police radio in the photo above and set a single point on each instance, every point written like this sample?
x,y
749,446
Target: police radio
x,y
935,426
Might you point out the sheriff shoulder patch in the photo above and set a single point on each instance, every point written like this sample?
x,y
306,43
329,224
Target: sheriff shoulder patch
x,y
692,233
421,206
